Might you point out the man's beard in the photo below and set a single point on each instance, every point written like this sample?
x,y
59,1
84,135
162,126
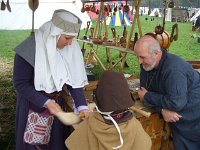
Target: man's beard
x,y
150,67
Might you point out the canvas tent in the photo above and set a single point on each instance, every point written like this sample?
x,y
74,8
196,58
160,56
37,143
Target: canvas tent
x,y
176,14
168,15
115,18
93,15
155,13
194,18
21,15
192,12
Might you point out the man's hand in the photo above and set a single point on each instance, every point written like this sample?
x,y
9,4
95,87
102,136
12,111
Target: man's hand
x,y
141,92
53,107
170,116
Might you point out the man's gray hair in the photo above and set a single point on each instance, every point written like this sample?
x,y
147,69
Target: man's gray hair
x,y
154,47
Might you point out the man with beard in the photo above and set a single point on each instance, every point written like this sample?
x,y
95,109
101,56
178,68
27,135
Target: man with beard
x,y
171,87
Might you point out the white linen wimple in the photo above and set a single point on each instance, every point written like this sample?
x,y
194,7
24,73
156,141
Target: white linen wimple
x,y
55,67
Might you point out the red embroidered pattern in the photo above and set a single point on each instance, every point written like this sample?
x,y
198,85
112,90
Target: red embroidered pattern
x,y
38,128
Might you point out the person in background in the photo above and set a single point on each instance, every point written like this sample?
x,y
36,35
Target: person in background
x,y
171,87
46,61
112,125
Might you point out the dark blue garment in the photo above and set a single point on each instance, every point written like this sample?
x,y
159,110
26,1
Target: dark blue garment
x,y
28,97
182,143
175,85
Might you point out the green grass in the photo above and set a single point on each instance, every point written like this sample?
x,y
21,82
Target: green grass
x,y
186,47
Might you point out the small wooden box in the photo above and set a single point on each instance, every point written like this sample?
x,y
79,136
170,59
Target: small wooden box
x,y
195,64
154,128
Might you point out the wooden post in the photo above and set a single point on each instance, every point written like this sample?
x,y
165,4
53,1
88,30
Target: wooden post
x,y
136,16
33,5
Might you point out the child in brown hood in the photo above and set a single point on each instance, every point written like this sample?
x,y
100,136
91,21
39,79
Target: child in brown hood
x,y
112,125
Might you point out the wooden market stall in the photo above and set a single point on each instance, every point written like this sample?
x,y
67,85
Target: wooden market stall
x,y
124,45
153,124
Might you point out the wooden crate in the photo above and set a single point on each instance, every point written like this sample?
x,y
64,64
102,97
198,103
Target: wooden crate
x,y
195,64
155,128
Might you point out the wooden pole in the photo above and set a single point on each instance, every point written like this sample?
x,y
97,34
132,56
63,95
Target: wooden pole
x,y
33,5
136,16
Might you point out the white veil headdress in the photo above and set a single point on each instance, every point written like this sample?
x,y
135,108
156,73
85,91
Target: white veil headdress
x,y
55,67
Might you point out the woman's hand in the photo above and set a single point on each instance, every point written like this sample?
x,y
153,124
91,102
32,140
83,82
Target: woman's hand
x,y
84,113
53,107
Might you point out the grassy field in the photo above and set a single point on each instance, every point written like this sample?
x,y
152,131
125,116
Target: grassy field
x,y
186,47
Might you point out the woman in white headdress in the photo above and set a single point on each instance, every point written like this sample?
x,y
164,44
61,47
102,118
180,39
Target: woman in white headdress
x,y
46,61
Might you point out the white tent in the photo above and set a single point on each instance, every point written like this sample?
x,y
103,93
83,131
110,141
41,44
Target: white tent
x,y
142,10
168,16
21,15
155,13
192,11
194,18
176,14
